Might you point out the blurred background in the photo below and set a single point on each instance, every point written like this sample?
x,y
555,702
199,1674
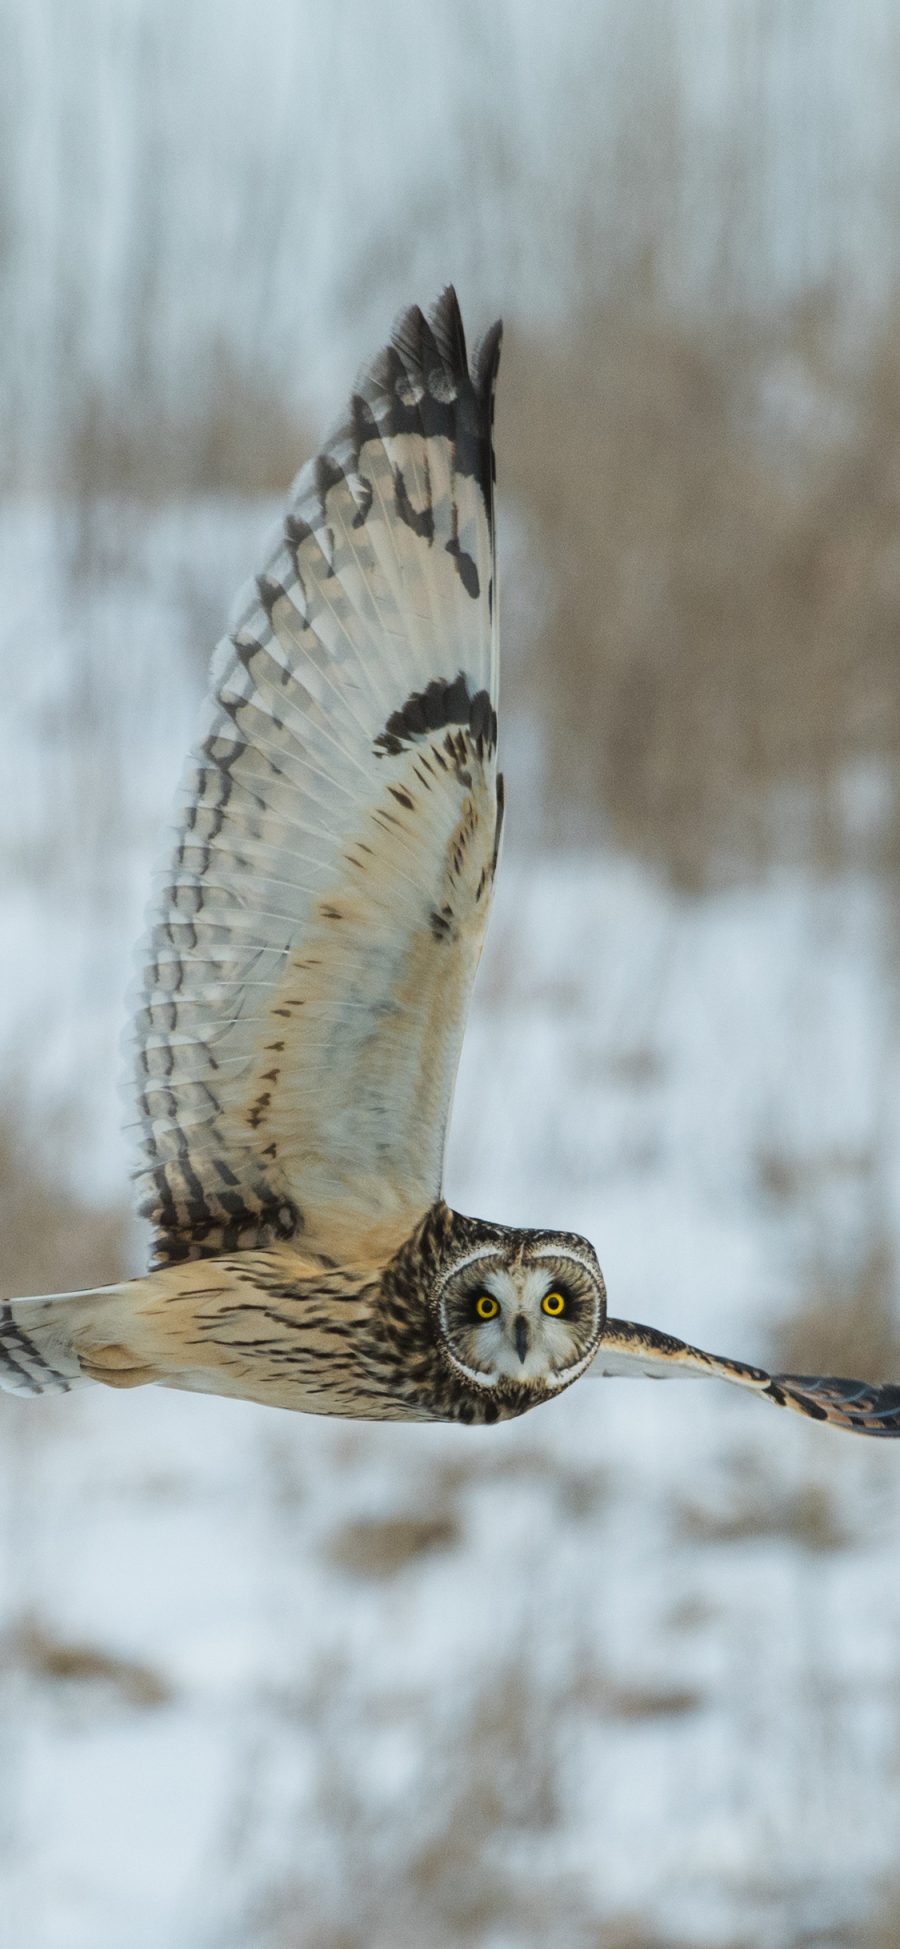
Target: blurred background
x,y
625,1675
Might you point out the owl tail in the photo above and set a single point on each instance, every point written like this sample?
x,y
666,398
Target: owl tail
x,y
38,1338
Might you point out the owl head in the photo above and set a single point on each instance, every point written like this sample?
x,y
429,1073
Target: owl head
x,y
520,1310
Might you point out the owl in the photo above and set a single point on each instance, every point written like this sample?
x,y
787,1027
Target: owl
x,y
307,969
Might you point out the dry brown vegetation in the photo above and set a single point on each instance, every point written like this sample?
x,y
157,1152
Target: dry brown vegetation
x,y
716,509
50,1242
382,1548
238,437
805,1517
846,1324
35,1650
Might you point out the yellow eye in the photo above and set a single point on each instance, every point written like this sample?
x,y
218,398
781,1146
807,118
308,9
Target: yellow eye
x,y
487,1307
554,1304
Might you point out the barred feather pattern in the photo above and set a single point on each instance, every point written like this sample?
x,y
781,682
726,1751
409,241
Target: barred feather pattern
x,y
26,1366
313,942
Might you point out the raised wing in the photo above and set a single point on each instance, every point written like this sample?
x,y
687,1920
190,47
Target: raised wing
x,y
630,1349
313,943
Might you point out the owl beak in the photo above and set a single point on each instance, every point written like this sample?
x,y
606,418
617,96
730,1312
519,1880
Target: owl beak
x,y
520,1337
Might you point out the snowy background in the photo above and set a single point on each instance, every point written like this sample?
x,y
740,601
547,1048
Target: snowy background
x,y
625,1675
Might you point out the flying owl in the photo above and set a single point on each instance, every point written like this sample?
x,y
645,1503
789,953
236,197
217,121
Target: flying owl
x,y
306,974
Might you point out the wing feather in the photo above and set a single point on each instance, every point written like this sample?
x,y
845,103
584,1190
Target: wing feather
x,y
863,1407
313,940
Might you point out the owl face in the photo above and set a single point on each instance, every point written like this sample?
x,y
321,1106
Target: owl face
x,y
529,1312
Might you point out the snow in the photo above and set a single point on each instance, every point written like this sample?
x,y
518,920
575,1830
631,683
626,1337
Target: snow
x,y
644,1661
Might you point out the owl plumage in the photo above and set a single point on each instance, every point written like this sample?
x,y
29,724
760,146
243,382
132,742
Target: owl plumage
x,y
398,1342
307,971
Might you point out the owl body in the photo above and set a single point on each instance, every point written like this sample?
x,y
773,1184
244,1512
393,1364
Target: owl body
x,y
365,1342
304,980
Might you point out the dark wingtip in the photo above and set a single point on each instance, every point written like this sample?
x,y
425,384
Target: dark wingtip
x,y
862,1406
442,329
433,342
486,362
445,319
421,382
406,334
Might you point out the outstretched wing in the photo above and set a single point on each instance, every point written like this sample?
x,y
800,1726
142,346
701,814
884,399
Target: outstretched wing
x,y
313,943
630,1349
